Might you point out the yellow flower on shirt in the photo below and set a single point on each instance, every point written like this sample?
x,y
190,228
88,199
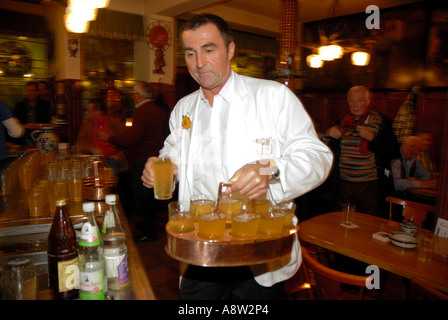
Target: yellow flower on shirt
x,y
186,122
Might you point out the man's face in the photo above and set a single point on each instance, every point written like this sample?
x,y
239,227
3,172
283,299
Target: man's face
x,y
207,57
412,148
358,102
31,92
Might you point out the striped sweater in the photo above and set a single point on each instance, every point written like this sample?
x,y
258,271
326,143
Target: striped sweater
x,y
356,165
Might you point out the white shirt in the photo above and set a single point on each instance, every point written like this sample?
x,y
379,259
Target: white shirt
x,y
251,119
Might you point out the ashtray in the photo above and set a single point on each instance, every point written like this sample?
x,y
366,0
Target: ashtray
x,y
403,240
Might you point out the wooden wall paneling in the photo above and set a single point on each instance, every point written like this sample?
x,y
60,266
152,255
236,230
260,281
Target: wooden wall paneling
x,y
430,117
442,197
316,107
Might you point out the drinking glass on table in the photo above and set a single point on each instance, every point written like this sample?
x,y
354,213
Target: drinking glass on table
x,y
348,209
424,248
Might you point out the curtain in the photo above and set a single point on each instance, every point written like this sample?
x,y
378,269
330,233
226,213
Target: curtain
x,y
117,25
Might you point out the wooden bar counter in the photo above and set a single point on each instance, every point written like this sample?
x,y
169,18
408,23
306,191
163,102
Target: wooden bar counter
x,y
22,235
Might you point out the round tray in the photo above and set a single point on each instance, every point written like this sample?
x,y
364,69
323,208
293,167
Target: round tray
x,y
227,252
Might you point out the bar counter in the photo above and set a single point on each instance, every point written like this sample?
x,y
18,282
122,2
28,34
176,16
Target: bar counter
x,y
16,223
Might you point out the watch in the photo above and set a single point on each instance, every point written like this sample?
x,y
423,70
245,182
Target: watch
x,y
275,173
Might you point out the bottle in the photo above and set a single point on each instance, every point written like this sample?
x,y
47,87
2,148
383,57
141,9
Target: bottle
x,y
63,255
91,265
115,249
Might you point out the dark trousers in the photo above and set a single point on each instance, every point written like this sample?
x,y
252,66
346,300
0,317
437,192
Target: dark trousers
x,y
225,283
138,200
363,194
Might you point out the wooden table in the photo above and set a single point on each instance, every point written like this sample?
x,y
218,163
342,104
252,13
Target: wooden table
x,y
325,231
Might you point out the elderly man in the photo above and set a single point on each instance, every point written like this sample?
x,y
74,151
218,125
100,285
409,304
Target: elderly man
x,y
364,144
407,170
251,132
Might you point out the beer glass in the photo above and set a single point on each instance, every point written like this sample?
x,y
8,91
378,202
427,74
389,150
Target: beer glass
x,y
245,224
36,200
200,205
180,219
212,225
163,170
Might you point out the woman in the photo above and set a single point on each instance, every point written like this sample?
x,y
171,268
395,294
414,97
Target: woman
x,y
98,119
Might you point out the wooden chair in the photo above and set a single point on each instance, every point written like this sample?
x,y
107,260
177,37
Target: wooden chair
x,y
420,290
330,283
412,211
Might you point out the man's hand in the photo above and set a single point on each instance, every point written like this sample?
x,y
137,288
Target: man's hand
x,y
428,184
365,132
252,180
334,132
102,135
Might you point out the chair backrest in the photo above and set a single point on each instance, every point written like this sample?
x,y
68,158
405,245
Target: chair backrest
x,y
329,282
423,291
412,211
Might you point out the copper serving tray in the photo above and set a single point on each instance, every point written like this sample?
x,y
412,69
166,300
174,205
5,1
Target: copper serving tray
x,y
228,251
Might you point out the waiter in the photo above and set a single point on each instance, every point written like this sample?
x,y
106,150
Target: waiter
x,y
254,133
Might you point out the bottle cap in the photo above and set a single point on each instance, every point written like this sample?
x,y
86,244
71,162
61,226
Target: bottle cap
x,y
110,199
88,207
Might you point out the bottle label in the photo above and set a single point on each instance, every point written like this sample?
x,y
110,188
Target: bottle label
x,y
68,275
88,236
91,285
117,267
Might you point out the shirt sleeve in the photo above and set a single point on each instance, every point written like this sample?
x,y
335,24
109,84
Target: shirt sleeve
x,y
14,128
400,182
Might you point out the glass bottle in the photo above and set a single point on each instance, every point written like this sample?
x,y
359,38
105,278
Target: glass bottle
x,y
91,265
115,249
63,255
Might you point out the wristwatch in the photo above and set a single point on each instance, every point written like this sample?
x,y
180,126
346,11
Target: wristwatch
x,y
275,173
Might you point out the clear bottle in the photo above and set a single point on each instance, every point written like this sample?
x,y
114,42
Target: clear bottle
x,y
115,249
91,263
63,255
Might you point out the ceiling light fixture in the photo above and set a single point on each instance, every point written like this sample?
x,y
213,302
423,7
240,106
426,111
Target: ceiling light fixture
x,y
360,58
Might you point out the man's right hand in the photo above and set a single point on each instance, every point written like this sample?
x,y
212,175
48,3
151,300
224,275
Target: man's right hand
x,y
334,132
147,176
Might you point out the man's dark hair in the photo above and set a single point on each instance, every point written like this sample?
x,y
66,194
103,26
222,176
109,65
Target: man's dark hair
x,y
203,19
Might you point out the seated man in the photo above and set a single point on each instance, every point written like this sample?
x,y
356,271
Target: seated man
x,y
408,171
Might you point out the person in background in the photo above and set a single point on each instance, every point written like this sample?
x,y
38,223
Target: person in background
x,y
14,128
43,91
407,170
364,144
88,142
142,140
424,157
253,133
32,111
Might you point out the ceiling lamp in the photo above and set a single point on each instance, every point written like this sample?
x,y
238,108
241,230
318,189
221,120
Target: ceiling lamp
x,y
360,58
314,61
100,3
330,52
75,24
